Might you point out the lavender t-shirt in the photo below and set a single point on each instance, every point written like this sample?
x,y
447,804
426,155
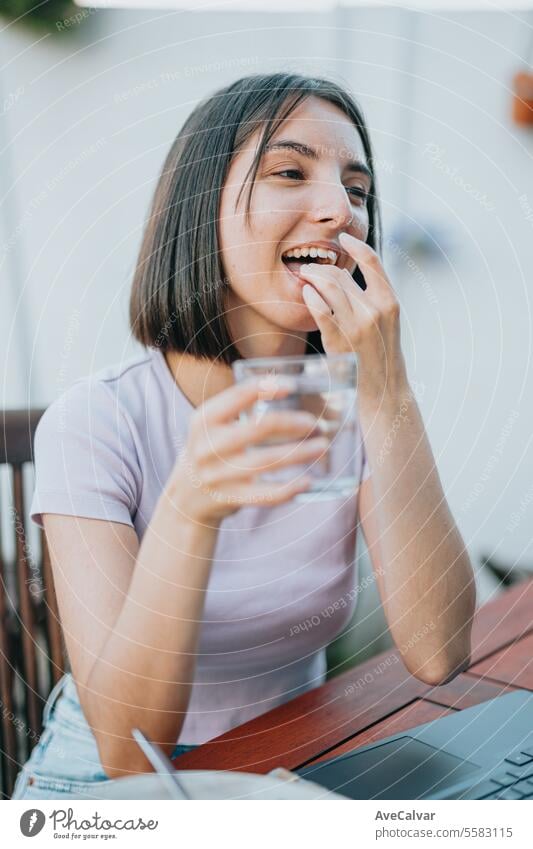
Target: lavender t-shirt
x,y
283,580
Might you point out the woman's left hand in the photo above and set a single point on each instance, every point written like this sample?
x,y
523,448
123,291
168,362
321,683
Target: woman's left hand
x,y
365,322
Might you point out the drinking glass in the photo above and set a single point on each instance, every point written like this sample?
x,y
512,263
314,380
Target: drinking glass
x,y
324,386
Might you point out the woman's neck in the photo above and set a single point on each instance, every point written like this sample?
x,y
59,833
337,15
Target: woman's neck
x,y
257,336
273,344
200,379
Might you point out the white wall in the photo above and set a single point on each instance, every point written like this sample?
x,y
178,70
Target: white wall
x,y
88,117
469,168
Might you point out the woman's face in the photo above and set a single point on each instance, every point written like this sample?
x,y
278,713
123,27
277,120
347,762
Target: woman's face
x,y
311,186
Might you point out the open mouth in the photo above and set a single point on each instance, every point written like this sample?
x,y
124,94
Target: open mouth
x,y
294,258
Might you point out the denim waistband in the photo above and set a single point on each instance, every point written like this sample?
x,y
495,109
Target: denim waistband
x,y
72,711
54,694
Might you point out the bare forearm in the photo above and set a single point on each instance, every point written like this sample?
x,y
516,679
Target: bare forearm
x,y
427,576
144,673
427,581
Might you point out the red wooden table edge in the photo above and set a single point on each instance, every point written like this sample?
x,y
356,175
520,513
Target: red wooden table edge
x,y
438,702
497,624
420,711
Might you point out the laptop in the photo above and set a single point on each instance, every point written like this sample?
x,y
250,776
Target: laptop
x,y
483,752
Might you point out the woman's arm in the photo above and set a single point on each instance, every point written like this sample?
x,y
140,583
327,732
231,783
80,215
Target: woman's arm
x,y
421,565
131,618
131,614
424,573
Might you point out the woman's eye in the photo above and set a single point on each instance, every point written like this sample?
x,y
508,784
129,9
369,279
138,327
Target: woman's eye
x,y
292,171
296,174
360,194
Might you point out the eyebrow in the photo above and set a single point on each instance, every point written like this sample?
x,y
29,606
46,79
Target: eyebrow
x,y
355,166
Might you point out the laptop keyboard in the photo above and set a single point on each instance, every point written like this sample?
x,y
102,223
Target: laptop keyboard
x,y
513,780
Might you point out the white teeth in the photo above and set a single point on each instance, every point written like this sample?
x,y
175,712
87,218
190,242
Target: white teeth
x,y
313,252
322,253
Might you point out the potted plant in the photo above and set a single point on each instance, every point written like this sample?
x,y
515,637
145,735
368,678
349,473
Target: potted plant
x,y
39,16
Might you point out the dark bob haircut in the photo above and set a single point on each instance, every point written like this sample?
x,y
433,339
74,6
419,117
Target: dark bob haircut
x,y
177,297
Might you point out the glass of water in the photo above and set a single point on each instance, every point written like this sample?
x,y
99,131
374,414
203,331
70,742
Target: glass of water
x,y
324,386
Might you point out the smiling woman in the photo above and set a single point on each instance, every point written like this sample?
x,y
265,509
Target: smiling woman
x,y
299,188
180,574
296,145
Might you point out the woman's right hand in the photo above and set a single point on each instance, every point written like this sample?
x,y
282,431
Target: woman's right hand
x,y
214,475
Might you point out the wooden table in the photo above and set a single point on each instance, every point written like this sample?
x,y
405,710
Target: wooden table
x,y
379,698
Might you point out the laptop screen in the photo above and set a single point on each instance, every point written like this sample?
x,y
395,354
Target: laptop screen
x,y
402,769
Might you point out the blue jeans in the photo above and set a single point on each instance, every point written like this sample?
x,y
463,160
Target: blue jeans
x,y
65,762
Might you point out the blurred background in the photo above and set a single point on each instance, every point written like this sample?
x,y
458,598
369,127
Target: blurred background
x,y
90,101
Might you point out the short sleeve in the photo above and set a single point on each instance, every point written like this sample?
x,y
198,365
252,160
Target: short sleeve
x,y
85,458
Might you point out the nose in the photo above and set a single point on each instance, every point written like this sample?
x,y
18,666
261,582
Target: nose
x,y
333,205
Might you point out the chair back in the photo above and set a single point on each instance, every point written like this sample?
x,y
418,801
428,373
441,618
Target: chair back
x,y
32,653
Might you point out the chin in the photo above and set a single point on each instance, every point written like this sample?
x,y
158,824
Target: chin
x,y
296,318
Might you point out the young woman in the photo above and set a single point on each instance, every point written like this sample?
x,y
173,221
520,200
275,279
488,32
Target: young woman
x,y
181,576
